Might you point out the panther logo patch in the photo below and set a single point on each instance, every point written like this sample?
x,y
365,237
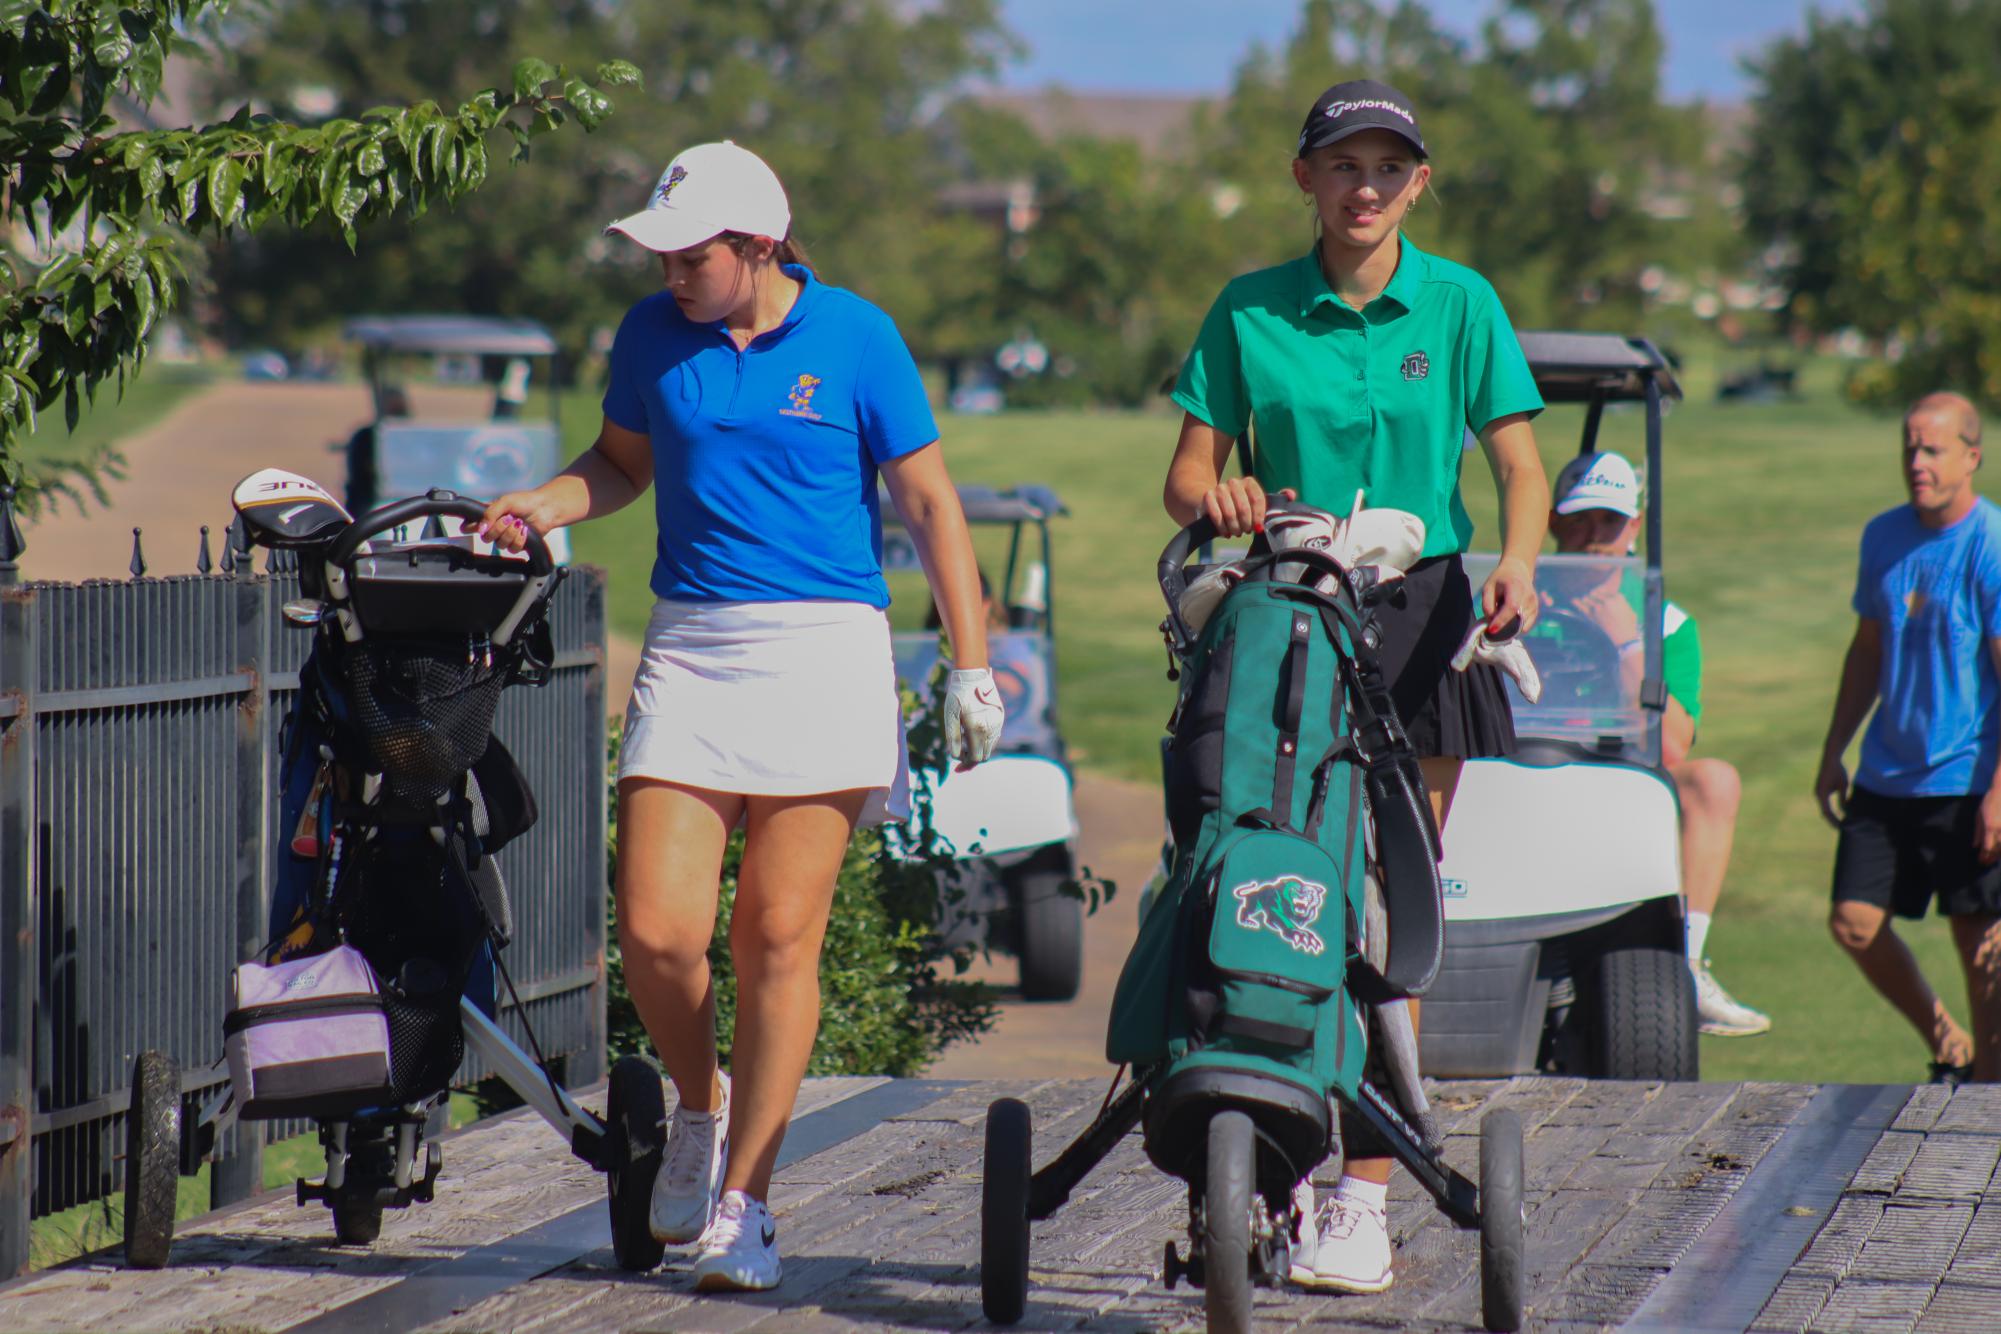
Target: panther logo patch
x,y
672,179
1288,905
1416,366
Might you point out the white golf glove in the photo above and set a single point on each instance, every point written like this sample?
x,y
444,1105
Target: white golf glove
x,y
1510,655
973,716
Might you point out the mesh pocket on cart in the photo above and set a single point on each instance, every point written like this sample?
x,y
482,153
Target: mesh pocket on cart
x,y
426,1042
425,709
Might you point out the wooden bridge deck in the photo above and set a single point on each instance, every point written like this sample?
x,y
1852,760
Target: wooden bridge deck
x,y
1650,1207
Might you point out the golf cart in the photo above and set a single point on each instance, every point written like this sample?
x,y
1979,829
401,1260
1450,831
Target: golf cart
x,y
1562,871
1011,823
480,451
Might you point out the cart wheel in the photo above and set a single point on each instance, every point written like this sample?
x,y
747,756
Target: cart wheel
x,y
1004,1212
1226,1224
1052,928
1644,1023
635,1137
1501,1220
152,1159
357,1220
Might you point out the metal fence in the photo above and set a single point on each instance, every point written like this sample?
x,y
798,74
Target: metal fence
x,y
140,732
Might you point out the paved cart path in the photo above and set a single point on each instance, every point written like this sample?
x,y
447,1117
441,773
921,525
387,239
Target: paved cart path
x,y
1650,1207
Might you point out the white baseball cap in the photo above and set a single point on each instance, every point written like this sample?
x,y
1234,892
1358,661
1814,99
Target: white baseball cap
x,y
708,190
1601,481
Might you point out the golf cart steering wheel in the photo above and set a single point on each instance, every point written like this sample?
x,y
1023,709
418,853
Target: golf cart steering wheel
x,y
444,504
1578,663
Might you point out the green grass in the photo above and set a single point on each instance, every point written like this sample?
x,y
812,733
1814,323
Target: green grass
x,y
1765,504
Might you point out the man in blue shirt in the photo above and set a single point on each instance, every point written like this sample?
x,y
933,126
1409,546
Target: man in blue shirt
x,y
1924,814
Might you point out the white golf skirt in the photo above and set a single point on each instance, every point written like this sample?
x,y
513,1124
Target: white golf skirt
x,y
770,699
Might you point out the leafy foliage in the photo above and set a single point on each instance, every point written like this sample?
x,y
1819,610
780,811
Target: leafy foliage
x,y
107,207
1873,166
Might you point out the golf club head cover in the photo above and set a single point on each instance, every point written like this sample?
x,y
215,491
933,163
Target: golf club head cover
x,y
973,716
1201,598
1296,527
1507,653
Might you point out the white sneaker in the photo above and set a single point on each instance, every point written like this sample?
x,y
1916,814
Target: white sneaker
x,y
1309,1235
740,1252
691,1173
1722,1014
1351,1251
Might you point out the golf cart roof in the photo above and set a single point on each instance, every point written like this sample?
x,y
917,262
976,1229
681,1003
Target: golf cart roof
x,y
1019,504
486,334
1608,368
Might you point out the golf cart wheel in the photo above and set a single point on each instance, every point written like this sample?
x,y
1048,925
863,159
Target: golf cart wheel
x,y
635,1116
1643,1021
1004,1212
357,1219
152,1159
1226,1223
1052,928
1502,1265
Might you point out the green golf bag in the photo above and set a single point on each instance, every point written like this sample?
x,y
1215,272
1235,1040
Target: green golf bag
x,y
1246,983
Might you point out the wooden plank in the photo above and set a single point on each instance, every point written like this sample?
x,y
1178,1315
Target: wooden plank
x,y
1833,1249
1978,1262
1883,1170
1974,1109
1794,1304
1912,1243
1960,1309
1927,1104
1873,1308
1951,1166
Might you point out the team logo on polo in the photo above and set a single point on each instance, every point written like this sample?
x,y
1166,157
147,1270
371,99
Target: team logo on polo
x,y
672,179
1416,366
1288,906
801,395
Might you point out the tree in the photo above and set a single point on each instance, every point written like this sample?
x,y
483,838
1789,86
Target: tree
x,y
1872,173
1549,138
835,94
104,212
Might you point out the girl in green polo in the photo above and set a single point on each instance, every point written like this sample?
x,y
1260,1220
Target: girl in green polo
x,y
1363,364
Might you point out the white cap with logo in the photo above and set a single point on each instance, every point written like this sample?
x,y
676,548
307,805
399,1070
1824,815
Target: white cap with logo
x,y
708,190
1601,481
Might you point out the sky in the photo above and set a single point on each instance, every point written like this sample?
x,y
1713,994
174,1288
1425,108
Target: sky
x,y
1192,46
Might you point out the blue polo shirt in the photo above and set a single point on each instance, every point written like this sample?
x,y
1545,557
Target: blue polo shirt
x,y
1936,592
764,458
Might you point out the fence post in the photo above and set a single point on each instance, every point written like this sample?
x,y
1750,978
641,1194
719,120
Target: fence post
x,y
589,1066
238,1172
19,973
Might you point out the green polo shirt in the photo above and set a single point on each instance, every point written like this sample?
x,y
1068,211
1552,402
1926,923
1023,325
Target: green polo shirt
x,y
1377,400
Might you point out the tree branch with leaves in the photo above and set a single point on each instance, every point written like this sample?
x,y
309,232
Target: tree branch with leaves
x,y
103,211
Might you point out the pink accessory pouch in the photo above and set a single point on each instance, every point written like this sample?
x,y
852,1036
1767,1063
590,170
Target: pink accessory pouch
x,y
307,1037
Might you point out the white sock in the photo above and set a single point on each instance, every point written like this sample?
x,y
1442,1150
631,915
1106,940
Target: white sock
x,y
1698,935
1375,1194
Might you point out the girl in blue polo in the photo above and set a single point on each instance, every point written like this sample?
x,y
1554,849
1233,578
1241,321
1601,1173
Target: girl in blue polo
x,y
1363,365
761,405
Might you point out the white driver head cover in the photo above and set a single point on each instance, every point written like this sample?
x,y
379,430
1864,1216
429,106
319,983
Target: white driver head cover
x,y
1300,527
1392,538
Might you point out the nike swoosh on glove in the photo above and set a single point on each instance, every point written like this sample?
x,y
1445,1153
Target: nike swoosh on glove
x,y
973,716
1507,654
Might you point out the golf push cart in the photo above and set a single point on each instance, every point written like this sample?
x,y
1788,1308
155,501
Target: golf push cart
x,y
401,453
1267,988
390,915
1011,823
1562,875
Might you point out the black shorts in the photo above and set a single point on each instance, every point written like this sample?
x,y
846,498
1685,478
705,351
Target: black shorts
x,y
1445,712
1897,852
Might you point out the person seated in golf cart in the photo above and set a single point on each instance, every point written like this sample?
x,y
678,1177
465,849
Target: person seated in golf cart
x,y
1596,511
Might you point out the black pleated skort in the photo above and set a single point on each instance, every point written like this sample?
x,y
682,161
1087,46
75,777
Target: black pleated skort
x,y
1464,714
